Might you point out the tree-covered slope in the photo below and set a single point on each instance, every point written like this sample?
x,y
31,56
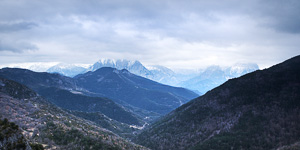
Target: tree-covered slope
x,y
259,110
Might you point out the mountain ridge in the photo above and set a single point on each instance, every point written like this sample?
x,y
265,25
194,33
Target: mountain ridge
x,y
132,89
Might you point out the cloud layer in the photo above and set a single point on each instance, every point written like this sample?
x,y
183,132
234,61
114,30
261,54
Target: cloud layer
x,y
178,34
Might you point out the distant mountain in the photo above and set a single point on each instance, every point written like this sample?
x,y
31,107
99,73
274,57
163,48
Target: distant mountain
x,y
44,123
214,76
190,79
163,75
134,67
58,90
69,70
259,110
36,66
123,86
156,73
240,69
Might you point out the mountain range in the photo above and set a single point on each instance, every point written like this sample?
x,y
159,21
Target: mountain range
x,y
137,98
200,82
110,109
259,110
30,122
131,101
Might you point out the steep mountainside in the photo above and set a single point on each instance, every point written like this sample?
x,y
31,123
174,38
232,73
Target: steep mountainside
x,y
259,110
47,124
123,86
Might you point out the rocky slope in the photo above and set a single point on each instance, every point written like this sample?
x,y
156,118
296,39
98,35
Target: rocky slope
x,y
11,136
259,110
47,124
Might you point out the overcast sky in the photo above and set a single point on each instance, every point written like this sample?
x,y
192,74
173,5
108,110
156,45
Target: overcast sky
x,y
173,33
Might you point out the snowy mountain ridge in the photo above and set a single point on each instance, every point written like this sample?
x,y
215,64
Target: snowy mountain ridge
x,y
134,67
201,80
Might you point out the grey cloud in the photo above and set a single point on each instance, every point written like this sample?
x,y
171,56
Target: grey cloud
x,y
279,15
157,14
14,27
145,28
16,46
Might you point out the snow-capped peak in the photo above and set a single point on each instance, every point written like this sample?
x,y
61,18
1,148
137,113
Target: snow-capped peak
x,y
160,69
118,64
107,61
132,66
